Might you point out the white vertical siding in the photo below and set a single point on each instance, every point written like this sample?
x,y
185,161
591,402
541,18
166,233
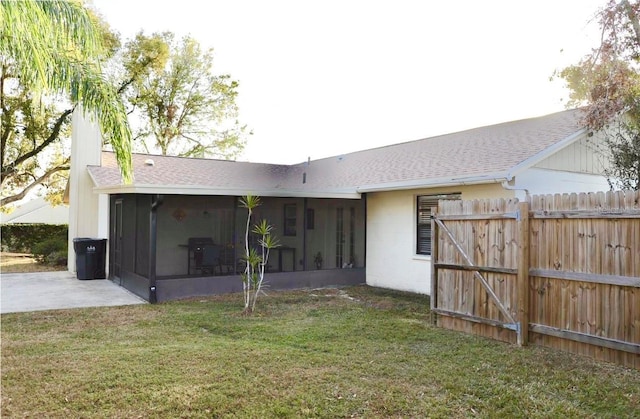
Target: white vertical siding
x,y
85,207
584,156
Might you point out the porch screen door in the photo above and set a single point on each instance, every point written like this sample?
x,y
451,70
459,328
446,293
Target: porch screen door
x,y
345,238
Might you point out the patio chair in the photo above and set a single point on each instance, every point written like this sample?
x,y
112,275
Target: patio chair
x,y
196,245
210,260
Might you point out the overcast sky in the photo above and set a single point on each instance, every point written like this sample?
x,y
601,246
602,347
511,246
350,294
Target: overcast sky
x,y
324,78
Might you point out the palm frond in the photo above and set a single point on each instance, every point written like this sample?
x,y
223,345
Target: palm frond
x,y
55,47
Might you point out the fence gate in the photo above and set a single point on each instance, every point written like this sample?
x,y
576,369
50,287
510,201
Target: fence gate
x,y
561,271
476,249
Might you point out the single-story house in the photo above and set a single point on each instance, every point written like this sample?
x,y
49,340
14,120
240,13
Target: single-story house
x,y
354,218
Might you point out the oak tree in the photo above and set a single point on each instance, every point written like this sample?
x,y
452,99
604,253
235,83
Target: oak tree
x,y
56,55
607,83
179,105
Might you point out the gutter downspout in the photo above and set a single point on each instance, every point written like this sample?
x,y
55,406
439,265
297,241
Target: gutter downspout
x,y
510,187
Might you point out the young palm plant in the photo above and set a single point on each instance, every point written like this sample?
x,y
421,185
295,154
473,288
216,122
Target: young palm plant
x,y
256,259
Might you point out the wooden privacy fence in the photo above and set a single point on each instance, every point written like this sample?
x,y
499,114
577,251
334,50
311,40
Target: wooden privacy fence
x,y
561,271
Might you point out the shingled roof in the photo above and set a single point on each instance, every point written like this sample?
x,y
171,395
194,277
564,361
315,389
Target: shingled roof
x,y
481,155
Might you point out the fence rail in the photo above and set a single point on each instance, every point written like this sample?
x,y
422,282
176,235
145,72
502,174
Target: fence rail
x,y
556,270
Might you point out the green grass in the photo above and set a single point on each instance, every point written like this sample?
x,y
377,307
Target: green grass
x,y
303,354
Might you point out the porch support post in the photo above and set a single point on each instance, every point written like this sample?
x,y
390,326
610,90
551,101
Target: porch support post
x,y
234,234
364,258
305,220
156,201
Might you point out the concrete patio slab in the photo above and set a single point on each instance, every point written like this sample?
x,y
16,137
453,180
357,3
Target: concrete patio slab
x,y
22,292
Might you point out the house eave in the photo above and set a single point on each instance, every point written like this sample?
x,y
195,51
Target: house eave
x,y
435,183
233,191
498,177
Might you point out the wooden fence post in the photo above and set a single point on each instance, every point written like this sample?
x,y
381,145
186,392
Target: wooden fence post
x,y
522,280
434,272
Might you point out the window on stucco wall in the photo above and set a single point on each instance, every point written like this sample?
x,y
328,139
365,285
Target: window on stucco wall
x,y
425,203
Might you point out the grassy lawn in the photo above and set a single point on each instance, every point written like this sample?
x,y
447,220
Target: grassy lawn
x,y
358,352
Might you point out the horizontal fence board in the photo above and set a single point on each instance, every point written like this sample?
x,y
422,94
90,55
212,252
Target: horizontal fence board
x,y
476,268
604,342
478,217
625,281
541,215
475,319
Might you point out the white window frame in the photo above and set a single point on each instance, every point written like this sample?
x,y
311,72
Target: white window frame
x,y
425,203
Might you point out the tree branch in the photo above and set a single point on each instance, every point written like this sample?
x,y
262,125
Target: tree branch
x,y
12,168
5,119
39,181
632,18
125,84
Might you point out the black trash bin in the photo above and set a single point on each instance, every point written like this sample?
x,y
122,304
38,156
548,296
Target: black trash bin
x,y
91,255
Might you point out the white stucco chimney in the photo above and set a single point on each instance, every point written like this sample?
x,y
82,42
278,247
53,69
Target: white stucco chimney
x,y
88,211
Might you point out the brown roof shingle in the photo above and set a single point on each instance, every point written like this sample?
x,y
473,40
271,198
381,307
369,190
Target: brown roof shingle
x,y
495,149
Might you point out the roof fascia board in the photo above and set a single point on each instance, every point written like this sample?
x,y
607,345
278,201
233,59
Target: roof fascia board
x,y
434,183
93,179
537,158
15,216
182,190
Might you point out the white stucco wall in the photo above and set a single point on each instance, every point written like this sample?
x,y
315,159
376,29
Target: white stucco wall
x,y
88,211
392,261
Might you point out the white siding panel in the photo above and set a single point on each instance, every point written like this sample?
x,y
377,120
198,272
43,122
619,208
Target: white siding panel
x,y
583,156
541,181
85,206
